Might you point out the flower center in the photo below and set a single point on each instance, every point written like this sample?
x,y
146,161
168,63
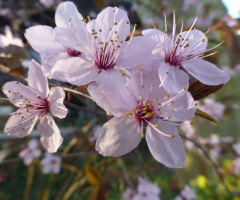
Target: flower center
x,y
72,52
105,56
144,111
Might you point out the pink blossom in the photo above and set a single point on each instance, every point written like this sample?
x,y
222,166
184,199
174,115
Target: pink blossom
x,y
227,139
215,151
128,194
51,163
96,132
184,51
236,147
138,102
76,51
8,39
35,103
188,193
47,3
214,140
187,128
213,108
147,190
31,152
6,12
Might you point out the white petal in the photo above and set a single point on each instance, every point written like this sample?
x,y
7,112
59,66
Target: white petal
x,y
113,85
42,41
20,125
166,150
105,21
73,37
76,71
205,72
180,108
118,136
194,39
172,78
17,92
50,134
103,102
138,52
56,98
67,15
37,79
148,78
155,34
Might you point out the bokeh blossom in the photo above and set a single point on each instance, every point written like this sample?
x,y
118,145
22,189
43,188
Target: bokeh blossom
x,y
8,39
51,163
35,103
32,151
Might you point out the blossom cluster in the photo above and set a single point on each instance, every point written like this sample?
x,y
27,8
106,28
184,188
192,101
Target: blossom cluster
x,y
142,81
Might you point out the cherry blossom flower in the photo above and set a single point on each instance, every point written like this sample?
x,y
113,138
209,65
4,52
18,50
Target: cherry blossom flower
x,y
180,56
236,147
188,193
31,152
214,140
139,102
35,103
51,163
76,51
147,190
128,194
47,3
96,132
227,139
8,39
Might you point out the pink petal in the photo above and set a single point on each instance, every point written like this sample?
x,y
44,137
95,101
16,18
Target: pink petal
x,y
67,15
14,89
172,78
113,86
138,52
180,107
20,125
194,38
56,98
50,134
105,21
76,71
37,79
155,34
148,78
166,150
205,72
104,103
78,38
42,41
33,144
118,136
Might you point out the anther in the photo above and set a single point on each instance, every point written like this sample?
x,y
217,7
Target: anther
x,y
168,95
169,117
184,88
152,84
153,24
172,136
123,74
191,123
216,52
166,72
196,15
157,125
140,68
203,40
174,10
172,110
142,135
196,104
127,22
171,102
115,23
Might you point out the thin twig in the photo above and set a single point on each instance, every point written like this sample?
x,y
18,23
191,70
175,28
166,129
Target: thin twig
x,y
125,174
216,168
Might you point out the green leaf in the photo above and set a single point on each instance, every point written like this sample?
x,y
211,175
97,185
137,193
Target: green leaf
x,y
206,116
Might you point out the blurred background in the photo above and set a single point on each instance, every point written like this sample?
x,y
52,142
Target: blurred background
x,y
77,171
